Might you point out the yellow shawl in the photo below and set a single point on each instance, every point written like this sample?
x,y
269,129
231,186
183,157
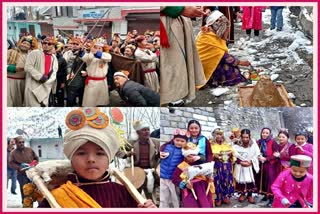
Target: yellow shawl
x,y
70,196
211,49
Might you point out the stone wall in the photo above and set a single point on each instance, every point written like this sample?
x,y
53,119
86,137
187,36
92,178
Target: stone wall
x,y
229,117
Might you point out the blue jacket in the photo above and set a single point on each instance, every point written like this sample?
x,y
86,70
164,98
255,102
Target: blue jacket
x,y
169,164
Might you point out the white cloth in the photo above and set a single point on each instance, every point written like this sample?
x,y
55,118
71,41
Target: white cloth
x,y
245,174
105,138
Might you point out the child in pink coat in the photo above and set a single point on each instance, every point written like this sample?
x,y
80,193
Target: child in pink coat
x,y
293,188
252,20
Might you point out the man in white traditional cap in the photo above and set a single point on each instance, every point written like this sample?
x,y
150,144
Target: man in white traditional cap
x,y
146,153
133,93
294,187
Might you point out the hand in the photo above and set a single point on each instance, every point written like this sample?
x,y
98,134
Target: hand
x,y
192,12
147,204
84,73
93,51
299,147
245,163
189,185
285,202
62,85
18,69
43,79
262,159
276,154
244,63
164,155
129,154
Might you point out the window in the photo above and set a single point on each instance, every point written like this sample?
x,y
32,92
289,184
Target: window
x,y
39,151
9,27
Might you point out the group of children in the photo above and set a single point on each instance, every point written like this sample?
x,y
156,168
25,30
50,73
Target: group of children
x,y
282,172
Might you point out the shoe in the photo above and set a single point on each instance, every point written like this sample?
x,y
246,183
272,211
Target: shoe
x,y
251,200
13,192
279,29
178,103
218,203
247,38
271,28
264,198
226,201
242,198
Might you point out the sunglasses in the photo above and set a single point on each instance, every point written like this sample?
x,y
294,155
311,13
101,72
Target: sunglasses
x,y
21,142
47,43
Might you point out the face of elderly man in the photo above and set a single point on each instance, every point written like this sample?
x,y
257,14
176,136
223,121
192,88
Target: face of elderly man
x,y
20,143
119,81
144,134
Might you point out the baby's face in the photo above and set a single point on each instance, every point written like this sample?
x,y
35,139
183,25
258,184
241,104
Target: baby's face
x,y
90,161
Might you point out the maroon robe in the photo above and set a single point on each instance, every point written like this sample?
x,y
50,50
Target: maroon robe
x,y
106,193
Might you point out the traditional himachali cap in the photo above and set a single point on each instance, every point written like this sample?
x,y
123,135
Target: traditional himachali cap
x,y
90,124
50,39
190,149
300,160
181,134
138,125
213,17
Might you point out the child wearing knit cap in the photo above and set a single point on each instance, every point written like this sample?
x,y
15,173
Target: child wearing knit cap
x,y
90,144
293,188
171,156
196,191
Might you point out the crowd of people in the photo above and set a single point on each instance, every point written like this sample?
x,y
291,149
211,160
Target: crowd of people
x,y
79,70
196,63
275,168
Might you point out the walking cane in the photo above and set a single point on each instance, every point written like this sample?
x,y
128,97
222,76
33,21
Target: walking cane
x,y
37,180
261,178
132,163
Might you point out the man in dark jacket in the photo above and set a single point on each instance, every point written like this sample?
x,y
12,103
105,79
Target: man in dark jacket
x,y
61,75
134,93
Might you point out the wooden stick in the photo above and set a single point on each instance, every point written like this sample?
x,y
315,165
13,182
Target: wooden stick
x,y
132,163
33,175
261,177
129,186
194,194
208,188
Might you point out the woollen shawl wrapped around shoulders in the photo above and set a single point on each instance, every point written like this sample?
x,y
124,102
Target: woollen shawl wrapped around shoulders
x,y
211,49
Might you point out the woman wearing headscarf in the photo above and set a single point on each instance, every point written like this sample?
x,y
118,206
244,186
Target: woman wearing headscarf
x,y
269,164
219,66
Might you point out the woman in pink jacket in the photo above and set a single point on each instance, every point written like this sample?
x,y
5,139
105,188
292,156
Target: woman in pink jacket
x,y
252,20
